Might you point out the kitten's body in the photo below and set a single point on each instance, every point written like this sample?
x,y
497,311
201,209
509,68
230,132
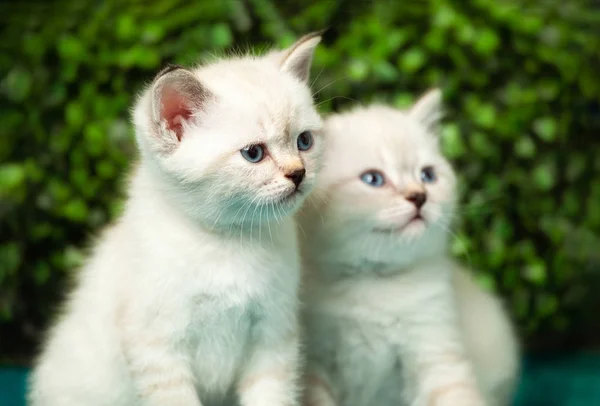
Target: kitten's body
x,y
190,299
369,325
390,320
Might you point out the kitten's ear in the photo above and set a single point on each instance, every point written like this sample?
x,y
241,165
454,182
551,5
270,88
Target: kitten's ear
x,y
297,59
177,95
428,110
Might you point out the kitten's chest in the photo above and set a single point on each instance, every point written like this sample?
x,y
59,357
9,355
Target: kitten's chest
x,y
221,336
385,303
357,355
229,306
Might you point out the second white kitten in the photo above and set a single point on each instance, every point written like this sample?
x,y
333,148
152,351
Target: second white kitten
x,y
190,299
390,319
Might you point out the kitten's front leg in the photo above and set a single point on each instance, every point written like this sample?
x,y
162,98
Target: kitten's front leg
x,y
271,374
437,369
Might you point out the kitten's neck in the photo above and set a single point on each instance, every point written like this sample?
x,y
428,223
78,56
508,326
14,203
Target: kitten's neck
x,y
343,266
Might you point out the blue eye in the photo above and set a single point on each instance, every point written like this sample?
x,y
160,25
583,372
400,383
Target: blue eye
x,y
428,174
373,178
305,141
253,153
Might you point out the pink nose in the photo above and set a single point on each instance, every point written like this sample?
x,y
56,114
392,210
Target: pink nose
x,y
417,198
296,176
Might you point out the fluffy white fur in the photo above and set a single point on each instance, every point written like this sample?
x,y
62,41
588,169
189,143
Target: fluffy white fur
x,y
191,297
390,319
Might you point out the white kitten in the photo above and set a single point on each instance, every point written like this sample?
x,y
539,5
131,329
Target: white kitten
x,y
390,318
191,298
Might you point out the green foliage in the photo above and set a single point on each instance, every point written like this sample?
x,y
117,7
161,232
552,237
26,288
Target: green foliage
x,y
520,83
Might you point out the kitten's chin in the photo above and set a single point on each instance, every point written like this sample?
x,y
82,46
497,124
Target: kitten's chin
x,y
290,201
411,228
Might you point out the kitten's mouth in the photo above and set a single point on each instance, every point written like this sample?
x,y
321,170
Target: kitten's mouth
x,y
416,220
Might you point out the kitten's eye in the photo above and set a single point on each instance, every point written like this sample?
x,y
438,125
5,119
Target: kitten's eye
x,y
373,178
428,174
305,141
253,153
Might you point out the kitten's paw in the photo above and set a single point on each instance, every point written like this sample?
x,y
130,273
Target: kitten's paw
x,y
457,395
319,398
318,393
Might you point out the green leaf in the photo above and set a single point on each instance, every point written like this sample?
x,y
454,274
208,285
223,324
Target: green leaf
x,y
460,245
404,100
33,45
575,167
452,144
42,273
12,176
10,259
385,71
73,257
17,85
544,176
75,114
547,305
71,48
126,27
75,210
486,42
152,33
444,16
545,127
480,144
412,60
536,272
222,37
358,69
485,115
525,147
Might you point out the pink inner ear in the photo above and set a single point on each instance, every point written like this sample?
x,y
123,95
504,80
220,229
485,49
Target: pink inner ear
x,y
175,110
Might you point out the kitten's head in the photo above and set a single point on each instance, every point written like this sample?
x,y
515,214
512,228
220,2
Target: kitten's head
x,y
386,193
236,139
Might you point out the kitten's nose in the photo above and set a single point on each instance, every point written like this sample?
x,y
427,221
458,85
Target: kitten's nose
x,y
417,198
296,176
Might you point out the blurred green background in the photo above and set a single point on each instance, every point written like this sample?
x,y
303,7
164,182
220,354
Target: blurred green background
x,y
521,85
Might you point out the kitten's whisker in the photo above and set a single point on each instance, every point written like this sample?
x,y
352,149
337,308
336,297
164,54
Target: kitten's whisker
x,y
235,217
315,79
256,203
244,220
329,84
301,229
334,97
318,194
269,225
275,213
396,210
446,228
474,210
219,215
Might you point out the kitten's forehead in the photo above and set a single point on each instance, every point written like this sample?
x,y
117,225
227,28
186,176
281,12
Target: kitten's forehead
x,y
253,80
258,93
376,137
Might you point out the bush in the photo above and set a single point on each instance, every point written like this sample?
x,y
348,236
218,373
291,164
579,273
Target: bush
x,y
520,84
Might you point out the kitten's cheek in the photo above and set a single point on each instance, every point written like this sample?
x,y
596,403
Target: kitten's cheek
x,y
433,214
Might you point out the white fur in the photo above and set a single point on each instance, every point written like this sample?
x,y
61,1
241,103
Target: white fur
x,y
191,297
390,319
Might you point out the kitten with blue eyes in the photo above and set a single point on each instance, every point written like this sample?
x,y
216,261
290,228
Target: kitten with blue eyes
x,y
191,297
390,319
